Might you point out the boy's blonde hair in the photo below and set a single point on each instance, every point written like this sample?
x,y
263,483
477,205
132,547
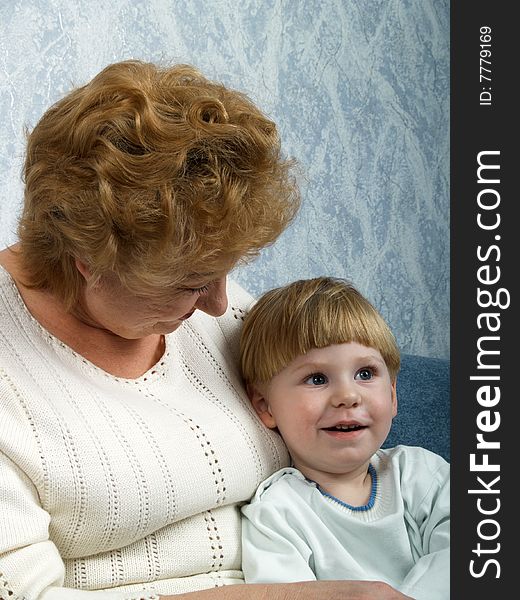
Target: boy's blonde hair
x,y
289,321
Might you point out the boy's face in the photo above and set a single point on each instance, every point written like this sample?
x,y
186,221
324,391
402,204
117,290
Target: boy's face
x,y
333,407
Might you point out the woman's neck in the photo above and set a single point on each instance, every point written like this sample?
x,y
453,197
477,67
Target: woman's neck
x,y
128,358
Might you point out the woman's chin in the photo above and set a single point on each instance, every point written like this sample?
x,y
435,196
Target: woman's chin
x,y
166,327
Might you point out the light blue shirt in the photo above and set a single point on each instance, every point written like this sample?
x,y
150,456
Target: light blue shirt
x,y
292,531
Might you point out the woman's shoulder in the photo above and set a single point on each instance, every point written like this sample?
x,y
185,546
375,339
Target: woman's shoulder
x,y
240,302
222,333
13,317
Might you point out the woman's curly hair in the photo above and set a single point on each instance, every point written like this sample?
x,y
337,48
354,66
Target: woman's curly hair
x,y
155,174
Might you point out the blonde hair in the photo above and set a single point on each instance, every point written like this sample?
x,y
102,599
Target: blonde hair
x,y
289,321
154,174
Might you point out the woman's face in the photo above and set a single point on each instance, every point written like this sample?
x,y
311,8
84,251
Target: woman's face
x,y
112,307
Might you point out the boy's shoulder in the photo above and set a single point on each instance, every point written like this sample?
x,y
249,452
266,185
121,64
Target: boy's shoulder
x,y
282,484
414,470
410,457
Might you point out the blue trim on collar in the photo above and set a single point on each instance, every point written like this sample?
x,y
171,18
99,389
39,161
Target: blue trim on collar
x,y
366,506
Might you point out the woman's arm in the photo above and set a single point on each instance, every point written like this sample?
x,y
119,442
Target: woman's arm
x,y
304,590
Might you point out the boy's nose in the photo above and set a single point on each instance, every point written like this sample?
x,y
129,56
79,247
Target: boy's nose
x,y
346,395
214,302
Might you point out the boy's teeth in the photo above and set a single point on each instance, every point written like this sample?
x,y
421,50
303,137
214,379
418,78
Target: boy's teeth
x,y
344,427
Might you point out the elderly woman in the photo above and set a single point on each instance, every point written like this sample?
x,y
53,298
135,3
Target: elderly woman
x,y
127,445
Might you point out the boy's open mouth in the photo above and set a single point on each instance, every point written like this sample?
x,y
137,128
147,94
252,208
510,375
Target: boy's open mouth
x,y
345,428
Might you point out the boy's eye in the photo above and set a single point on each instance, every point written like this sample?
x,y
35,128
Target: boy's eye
x,y
316,379
364,374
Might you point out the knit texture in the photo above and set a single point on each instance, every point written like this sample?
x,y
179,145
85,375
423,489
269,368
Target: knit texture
x,y
131,486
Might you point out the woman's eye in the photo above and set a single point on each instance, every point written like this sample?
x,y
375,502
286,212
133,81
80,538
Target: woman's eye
x,y
200,290
364,374
317,379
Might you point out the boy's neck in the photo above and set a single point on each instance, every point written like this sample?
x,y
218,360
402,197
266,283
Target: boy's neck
x,y
353,488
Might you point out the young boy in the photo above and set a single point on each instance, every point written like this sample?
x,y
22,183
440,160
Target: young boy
x,y
320,365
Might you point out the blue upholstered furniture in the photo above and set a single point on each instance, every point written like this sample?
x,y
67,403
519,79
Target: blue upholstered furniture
x,y
423,405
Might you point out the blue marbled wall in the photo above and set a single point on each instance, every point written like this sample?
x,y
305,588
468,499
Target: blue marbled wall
x,y
359,88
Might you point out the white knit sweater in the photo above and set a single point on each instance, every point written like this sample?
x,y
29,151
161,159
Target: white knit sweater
x,y
130,486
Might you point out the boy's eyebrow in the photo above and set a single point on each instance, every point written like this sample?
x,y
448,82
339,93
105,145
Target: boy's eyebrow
x,y
311,364
372,357
317,364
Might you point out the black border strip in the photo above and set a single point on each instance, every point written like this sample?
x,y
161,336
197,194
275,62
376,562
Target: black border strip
x,y
482,125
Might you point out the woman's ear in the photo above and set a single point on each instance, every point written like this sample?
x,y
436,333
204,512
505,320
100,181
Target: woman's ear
x,y
394,397
258,396
83,269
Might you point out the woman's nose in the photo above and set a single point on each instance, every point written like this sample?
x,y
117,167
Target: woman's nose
x,y
214,302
